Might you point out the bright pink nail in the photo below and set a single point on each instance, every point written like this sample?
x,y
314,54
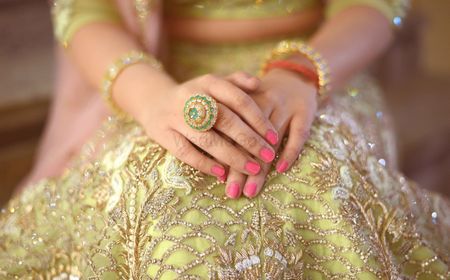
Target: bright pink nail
x,y
217,170
282,166
272,137
267,155
250,189
222,178
233,190
252,167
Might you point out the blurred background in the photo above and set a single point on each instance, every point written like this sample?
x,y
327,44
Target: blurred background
x,y
415,74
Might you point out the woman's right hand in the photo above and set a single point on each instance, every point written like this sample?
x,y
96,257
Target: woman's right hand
x,y
239,121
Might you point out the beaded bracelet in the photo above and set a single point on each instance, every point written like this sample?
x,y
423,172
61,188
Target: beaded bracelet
x,y
287,47
116,68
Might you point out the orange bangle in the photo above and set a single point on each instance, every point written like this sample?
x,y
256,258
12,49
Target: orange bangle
x,y
289,47
295,67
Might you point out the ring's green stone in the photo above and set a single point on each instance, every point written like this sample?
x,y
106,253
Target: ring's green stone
x,y
193,113
200,112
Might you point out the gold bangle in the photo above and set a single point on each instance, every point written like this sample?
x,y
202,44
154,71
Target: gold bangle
x,y
288,47
116,68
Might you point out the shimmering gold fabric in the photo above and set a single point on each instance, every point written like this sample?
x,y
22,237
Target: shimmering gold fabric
x,y
188,60
129,210
236,9
70,15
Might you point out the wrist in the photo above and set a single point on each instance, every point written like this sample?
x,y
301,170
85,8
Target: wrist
x,y
295,69
292,80
139,86
301,59
297,51
288,76
300,70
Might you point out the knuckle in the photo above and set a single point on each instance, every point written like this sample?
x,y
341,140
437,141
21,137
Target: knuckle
x,y
261,121
270,94
182,151
209,78
233,76
183,91
251,141
276,97
243,100
241,74
205,141
201,163
302,132
235,160
292,152
246,140
226,121
240,138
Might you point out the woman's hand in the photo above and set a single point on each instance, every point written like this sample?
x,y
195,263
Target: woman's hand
x,y
290,103
240,120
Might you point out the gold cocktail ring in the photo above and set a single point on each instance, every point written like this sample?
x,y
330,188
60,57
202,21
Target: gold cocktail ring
x,y
200,112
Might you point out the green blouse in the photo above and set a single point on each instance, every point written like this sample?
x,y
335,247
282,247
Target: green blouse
x,y
71,15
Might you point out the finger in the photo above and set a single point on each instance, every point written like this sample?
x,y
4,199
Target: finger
x,y
222,150
298,134
182,149
235,183
238,101
255,183
232,126
244,81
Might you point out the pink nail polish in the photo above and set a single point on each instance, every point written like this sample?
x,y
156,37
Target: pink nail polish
x,y
233,190
267,155
282,166
272,137
252,167
250,189
217,170
222,179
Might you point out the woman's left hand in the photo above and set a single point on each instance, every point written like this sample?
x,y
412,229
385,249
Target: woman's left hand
x,y
290,103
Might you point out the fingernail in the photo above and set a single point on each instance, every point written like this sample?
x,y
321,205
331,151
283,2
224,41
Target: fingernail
x,y
250,189
252,167
272,137
217,170
233,190
282,166
267,155
223,178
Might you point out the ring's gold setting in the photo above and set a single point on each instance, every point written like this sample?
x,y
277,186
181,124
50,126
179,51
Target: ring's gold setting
x,y
200,112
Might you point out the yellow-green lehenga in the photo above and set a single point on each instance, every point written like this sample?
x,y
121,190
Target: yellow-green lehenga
x,y
127,209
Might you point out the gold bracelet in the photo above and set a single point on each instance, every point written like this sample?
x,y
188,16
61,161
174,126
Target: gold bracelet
x,y
116,68
288,47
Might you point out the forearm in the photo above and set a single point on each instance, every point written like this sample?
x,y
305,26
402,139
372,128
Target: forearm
x,y
350,40
96,46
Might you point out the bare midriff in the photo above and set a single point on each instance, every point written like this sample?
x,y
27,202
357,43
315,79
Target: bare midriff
x,y
243,30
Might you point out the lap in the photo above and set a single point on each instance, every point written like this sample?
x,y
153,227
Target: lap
x,y
135,210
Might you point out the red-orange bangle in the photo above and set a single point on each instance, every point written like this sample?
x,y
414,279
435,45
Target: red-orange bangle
x,y
295,67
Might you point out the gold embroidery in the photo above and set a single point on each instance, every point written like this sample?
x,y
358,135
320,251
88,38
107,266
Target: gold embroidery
x,y
62,12
131,210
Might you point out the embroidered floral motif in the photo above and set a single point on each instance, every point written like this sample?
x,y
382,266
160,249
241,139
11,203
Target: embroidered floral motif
x,y
132,211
